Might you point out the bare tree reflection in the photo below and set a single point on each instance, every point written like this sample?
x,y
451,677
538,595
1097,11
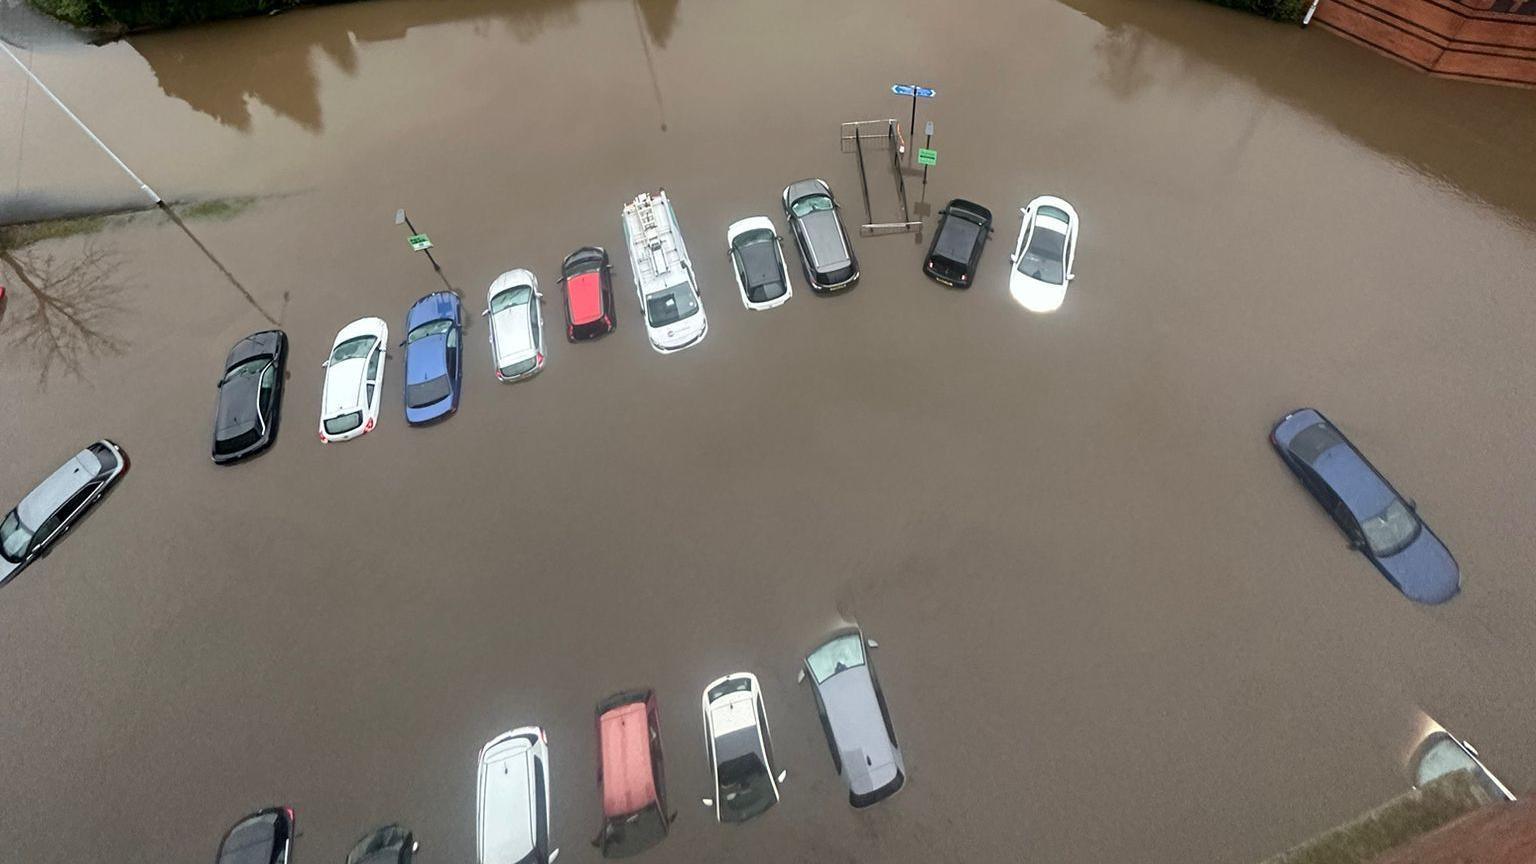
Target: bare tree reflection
x,y
73,301
1124,51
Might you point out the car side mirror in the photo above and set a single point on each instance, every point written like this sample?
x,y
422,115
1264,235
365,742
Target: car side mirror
x,y
485,313
707,802
1014,258
1412,505
1071,276
1356,544
672,817
872,643
800,679
553,855
783,774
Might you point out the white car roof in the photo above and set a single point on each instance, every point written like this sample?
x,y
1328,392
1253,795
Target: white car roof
x,y
507,813
733,712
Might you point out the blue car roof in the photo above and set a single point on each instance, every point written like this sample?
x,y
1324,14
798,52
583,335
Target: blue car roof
x,y
426,359
1356,483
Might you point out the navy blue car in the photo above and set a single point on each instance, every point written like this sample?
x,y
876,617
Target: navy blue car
x,y
1379,522
433,357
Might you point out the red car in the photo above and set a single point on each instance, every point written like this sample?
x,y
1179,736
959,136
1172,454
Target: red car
x,y
588,282
629,775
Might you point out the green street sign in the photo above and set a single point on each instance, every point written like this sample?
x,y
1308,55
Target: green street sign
x,y
927,157
420,243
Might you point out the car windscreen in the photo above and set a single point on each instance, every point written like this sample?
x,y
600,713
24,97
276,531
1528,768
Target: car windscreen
x,y
431,328
353,349
1391,530
236,443
1044,258
810,204
844,652
745,787
633,834
511,297
14,538
248,369
1441,758
424,393
344,424
671,305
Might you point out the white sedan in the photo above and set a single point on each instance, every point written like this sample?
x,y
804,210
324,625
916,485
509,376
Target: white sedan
x,y
740,749
354,380
517,326
1042,259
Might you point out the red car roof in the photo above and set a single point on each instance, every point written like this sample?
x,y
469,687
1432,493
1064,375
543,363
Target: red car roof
x,y
628,785
584,293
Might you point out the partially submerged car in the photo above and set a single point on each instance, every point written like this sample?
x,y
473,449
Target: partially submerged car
x,y
354,381
740,749
264,837
513,799
855,718
630,778
57,504
391,844
1378,522
757,256
587,279
957,243
434,365
517,325
665,281
250,396
1042,259
1441,753
824,248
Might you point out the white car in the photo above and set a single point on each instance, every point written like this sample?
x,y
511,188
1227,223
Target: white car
x,y
664,279
513,799
517,325
757,255
740,749
1441,753
1042,259
354,380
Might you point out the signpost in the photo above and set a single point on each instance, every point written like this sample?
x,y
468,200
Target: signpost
x,y
916,91
420,243
927,155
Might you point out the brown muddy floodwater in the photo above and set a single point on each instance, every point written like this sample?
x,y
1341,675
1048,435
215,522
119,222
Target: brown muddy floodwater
x,y
1113,627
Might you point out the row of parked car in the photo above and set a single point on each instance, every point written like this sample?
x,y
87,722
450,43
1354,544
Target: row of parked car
x,y
514,795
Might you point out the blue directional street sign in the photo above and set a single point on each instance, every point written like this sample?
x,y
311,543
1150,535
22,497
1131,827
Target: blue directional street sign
x,y
913,90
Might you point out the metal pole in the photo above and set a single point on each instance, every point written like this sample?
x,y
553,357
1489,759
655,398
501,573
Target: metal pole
x,y
927,145
858,147
912,125
153,195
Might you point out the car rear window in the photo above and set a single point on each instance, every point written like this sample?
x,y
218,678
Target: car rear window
x,y
344,424
237,443
425,393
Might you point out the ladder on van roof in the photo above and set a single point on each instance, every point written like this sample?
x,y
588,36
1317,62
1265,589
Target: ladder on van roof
x,y
654,250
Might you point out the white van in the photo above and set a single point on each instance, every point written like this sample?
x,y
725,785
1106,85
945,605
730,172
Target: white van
x,y
512,800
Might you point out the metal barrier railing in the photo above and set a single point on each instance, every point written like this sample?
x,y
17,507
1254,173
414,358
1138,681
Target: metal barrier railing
x,y
855,131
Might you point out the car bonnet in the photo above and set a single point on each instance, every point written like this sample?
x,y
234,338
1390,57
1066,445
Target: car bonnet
x,y
48,495
858,726
1424,570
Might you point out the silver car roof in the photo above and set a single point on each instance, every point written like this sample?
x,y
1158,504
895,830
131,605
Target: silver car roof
x,y
50,494
870,758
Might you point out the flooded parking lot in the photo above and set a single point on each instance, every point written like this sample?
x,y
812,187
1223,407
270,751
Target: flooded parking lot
x,y
1112,625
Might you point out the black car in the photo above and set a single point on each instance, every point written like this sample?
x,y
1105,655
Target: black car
x,y
588,282
250,396
391,844
264,837
957,244
824,248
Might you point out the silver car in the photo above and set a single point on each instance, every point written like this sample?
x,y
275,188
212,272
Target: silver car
x,y
855,717
517,325
824,249
50,510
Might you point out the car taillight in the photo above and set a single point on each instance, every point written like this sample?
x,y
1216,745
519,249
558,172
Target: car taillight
x,y
543,737
538,359
368,427
499,376
323,439
289,811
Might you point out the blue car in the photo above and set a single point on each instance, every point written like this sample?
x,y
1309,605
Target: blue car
x,y
433,358
1381,524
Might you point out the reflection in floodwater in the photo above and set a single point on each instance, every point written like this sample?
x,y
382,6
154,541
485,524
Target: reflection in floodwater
x,y
273,62
72,303
1430,126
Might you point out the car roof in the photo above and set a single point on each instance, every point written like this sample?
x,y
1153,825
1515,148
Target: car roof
x,y
1357,484
585,293
827,247
508,774
66,480
251,841
624,738
858,726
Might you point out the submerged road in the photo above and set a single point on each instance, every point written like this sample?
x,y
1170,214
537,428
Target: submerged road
x,y
1113,626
